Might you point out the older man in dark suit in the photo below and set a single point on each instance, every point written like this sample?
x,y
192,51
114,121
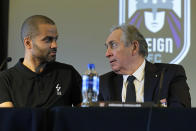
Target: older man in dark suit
x,y
134,79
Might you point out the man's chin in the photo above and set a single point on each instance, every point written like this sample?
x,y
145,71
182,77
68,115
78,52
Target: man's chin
x,y
116,70
52,59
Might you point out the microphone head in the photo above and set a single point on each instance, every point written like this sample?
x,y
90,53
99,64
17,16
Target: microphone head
x,y
9,59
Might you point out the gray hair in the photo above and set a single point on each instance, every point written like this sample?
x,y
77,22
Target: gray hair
x,y
131,33
30,25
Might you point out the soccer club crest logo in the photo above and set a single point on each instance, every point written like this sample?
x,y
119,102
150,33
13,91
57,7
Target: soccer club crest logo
x,y
164,23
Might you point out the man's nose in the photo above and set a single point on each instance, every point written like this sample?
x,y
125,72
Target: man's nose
x,y
108,52
54,44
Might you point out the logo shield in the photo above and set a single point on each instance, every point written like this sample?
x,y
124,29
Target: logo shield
x,y
165,25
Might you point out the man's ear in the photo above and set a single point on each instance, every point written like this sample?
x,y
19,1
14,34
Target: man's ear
x,y
135,47
27,42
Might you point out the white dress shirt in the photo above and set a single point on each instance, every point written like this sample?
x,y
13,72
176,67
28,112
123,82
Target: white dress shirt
x,y
138,82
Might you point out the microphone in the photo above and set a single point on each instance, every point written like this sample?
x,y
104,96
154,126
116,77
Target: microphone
x,y
8,59
160,89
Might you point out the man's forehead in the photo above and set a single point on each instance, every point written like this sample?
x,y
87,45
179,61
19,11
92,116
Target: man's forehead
x,y
114,35
47,28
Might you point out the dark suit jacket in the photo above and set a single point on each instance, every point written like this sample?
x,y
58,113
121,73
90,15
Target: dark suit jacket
x,y
174,86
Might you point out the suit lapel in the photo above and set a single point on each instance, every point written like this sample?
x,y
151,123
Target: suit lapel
x,y
151,81
118,82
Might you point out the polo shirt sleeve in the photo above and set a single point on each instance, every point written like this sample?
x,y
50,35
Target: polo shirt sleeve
x,y
4,88
76,89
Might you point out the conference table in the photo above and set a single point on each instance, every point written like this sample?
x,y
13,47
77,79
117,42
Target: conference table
x,y
98,119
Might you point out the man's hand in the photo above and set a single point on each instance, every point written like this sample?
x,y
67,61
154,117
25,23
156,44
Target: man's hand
x,y
6,104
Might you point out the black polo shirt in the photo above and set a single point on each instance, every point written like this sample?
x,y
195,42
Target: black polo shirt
x,y
58,85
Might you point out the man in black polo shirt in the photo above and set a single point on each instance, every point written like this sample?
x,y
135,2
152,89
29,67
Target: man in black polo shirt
x,y
37,80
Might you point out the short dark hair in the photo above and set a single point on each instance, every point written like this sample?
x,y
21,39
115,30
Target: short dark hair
x,y
131,33
30,25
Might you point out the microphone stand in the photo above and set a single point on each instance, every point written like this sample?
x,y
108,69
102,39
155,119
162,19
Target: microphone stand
x,y
159,104
8,59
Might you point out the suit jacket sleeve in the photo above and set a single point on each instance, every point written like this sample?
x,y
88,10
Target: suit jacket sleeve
x,y
178,94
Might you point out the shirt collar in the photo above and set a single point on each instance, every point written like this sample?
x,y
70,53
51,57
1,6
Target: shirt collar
x,y
24,70
27,72
139,73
